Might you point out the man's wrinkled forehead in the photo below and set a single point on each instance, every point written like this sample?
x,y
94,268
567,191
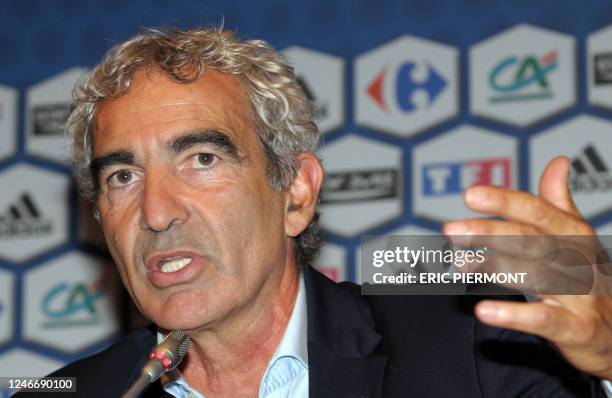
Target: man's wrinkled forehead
x,y
215,98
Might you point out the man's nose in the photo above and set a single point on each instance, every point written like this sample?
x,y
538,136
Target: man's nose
x,y
162,205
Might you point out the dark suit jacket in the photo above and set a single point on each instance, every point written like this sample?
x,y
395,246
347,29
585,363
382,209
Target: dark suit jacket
x,y
381,346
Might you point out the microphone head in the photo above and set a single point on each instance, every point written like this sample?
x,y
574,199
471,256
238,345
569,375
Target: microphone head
x,y
168,354
177,342
164,357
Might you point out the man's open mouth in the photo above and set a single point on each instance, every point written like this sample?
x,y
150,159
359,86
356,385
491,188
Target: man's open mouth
x,y
174,267
174,264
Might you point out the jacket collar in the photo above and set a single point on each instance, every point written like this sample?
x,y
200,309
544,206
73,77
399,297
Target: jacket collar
x,y
344,355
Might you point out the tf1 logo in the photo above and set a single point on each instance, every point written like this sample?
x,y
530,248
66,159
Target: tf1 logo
x,y
454,177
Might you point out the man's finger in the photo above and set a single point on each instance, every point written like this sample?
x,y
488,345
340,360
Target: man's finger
x,y
521,240
551,322
487,226
524,208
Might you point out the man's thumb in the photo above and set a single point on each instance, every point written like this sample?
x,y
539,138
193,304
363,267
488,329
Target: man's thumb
x,y
554,186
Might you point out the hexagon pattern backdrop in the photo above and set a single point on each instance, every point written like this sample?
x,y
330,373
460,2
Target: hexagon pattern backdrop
x,y
416,101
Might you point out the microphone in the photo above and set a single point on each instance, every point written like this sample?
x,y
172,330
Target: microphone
x,y
164,357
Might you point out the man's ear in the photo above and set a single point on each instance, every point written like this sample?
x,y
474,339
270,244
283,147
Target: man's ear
x,y
303,194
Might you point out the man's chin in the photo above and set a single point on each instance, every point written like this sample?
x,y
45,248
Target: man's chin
x,y
180,317
178,322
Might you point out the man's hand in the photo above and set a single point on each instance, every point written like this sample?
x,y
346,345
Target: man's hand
x,y
579,325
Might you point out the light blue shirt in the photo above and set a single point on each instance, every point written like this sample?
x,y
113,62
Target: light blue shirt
x,y
607,387
287,372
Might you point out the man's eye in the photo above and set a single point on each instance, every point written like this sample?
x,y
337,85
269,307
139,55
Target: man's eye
x,y
204,160
121,178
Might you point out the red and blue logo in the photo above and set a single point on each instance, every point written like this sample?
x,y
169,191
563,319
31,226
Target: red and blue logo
x,y
454,177
405,87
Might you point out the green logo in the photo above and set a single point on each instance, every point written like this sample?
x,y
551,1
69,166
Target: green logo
x,y
514,79
73,304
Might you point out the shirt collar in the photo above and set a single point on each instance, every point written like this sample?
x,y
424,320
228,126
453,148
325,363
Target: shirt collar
x,y
295,339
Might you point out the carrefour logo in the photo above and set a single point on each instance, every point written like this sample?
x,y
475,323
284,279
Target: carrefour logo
x,y
72,304
405,87
451,178
522,79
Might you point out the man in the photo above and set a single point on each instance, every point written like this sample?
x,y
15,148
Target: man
x,y
197,150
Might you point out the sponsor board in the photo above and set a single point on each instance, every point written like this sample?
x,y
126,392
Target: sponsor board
x,y
33,212
363,185
522,75
599,67
586,141
48,105
445,166
332,262
322,78
406,86
7,319
68,302
8,121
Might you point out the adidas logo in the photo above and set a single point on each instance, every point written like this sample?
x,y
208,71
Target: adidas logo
x,y
23,219
589,172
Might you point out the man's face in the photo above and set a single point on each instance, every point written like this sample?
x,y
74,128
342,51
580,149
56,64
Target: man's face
x,y
185,203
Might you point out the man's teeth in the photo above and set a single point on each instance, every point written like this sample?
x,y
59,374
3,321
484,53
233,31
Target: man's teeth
x,y
175,264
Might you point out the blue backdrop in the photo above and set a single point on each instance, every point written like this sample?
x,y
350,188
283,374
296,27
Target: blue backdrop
x,y
39,39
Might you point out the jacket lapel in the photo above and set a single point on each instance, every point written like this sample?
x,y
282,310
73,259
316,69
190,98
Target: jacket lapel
x,y
344,355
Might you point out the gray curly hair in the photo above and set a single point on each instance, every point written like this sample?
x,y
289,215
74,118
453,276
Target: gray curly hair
x,y
284,114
